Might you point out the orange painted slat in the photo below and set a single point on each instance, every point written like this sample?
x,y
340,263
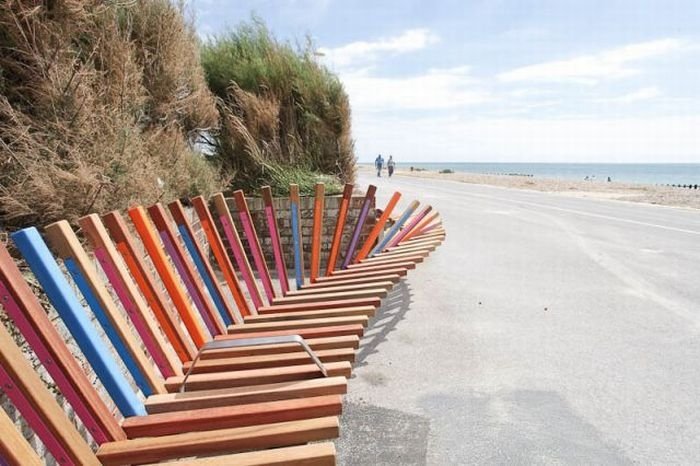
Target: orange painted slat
x,y
155,251
340,224
378,227
319,197
157,302
188,276
222,259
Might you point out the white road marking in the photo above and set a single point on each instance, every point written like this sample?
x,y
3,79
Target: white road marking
x,y
573,211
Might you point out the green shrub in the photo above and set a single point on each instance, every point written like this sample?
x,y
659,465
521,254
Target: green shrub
x,y
280,109
446,171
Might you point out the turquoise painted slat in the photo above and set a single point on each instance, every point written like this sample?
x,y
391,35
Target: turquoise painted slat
x,y
297,244
102,318
46,270
201,268
394,229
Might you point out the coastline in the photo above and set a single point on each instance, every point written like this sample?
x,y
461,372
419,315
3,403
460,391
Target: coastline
x,y
647,194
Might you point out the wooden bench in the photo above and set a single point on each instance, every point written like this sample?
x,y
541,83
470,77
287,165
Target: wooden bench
x,y
230,388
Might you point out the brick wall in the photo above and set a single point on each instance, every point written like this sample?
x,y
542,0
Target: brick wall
x,y
282,206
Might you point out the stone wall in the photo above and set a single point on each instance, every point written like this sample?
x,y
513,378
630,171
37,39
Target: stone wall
x,y
282,207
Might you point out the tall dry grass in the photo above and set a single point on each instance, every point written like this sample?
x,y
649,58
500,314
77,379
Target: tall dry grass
x,y
99,104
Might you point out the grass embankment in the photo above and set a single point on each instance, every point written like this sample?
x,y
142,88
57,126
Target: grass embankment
x,y
101,104
284,117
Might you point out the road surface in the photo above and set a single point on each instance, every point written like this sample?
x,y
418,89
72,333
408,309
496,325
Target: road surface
x,y
545,330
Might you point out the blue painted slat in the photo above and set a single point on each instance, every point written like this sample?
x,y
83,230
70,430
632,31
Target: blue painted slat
x,y
104,321
390,234
201,268
297,244
46,270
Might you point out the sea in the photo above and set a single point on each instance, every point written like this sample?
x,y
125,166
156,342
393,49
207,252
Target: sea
x,y
641,173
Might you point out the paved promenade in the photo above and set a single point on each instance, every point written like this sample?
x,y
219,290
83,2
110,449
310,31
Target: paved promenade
x,y
545,330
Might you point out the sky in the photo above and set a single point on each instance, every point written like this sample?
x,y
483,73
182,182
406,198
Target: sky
x,y
501,81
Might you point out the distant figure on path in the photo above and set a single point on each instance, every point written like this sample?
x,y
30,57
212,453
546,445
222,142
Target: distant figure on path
x,y
390,164
379,164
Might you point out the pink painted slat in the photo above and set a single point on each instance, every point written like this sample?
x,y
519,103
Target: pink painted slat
x,y
67,389
238,255
119,287
277,249
257,256
410,226
33,419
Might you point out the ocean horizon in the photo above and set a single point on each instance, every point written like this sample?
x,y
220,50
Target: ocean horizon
x,y
641,173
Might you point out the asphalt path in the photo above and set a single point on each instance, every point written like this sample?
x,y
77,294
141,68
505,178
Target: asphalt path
x,y
546,330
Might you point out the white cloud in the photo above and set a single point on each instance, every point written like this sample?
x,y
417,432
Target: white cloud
x,y
435,89
591,69
658,139
365,52
645,93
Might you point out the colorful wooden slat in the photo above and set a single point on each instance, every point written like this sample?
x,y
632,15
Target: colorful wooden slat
x,y
410,227
225,417
171,402
107,256
66,244
69,448
395,228
339,226
30,397
297,240
234,241
369,198
424,223
273,228
14,449
232,379
254,243
184,268
101,316
431,227
46,270
201,262
126,246
378,227
225,440
222,259
317,231
33,419
30,318
149,239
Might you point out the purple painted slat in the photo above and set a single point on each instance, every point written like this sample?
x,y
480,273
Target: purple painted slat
x,y
137,319
409,227
356,234
170,248
67,389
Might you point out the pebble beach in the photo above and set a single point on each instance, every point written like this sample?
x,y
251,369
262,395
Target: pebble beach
x,y
649,194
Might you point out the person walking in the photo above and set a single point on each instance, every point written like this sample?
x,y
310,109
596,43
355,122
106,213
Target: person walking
x,y
379,164
390,164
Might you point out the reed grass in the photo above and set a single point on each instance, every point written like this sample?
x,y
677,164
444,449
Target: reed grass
x,y
281,111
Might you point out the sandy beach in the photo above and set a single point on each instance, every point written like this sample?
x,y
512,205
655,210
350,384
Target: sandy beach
x,y
649,194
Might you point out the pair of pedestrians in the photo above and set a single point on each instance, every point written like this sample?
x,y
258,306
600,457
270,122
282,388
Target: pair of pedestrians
x,y
379,165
